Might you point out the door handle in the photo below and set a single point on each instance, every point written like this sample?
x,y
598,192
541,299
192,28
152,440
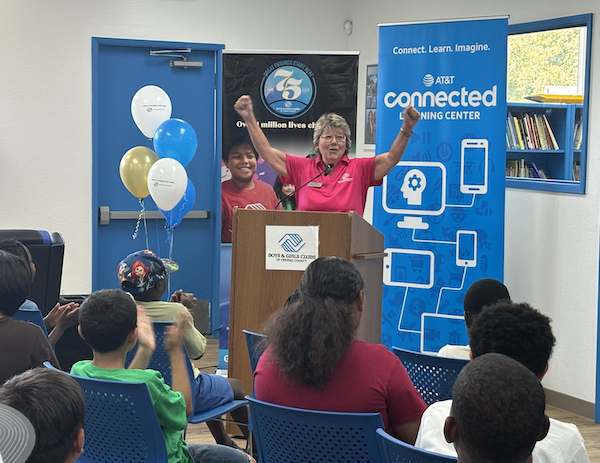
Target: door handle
x,y
105,215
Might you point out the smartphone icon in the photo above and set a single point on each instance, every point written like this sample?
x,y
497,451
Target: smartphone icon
x,y
473,166
466,248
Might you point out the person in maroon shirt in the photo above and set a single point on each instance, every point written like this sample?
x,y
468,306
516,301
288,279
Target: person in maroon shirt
x,y
314,362
243,189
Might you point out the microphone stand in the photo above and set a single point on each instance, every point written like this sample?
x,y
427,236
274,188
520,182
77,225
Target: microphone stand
x,y
325,172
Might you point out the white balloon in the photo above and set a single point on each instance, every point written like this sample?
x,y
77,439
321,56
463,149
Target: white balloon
x,y
150,107
167,182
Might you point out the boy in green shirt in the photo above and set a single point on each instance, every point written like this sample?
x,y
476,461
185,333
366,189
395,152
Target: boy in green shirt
x,y
110,323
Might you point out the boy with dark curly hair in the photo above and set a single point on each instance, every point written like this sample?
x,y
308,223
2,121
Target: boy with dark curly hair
x,y
523,334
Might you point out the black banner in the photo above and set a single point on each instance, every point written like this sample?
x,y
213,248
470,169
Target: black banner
x,y
289,93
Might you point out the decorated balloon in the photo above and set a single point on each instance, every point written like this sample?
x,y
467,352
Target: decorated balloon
x,y
176,139
185,204
150,107
134,167
167,182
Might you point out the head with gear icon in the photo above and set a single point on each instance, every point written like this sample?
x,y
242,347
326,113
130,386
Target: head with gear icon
x,y
413,186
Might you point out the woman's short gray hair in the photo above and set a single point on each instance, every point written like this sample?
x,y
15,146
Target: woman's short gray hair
x,y
333,121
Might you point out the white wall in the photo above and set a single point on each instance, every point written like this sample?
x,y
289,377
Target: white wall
x,y
551,242
45,92
45,133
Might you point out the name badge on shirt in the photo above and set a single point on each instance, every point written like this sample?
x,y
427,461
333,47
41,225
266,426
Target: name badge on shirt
x,y
315,184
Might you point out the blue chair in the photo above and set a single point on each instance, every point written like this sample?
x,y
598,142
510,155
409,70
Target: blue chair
x,y
255,347
396,451
31,315
431,375
161,362
285,434
120,423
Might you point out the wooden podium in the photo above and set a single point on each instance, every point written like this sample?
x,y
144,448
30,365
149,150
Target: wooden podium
x,y
256,292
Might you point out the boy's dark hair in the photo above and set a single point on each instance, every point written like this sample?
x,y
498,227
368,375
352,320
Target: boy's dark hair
x,y
498,406
483,293
226,153
516,330
54,404
15,247
15,280
106,318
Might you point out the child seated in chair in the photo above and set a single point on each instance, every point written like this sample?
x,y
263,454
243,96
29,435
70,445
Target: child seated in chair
x,y
498,411
22,345
60,317
525,335
111,324
53,402
144,275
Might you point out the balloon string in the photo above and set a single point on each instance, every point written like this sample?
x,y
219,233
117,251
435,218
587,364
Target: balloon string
x,y
172,233
168,229
145,228
137,225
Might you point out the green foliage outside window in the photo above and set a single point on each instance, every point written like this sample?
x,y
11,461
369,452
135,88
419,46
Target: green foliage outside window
x,y
539,59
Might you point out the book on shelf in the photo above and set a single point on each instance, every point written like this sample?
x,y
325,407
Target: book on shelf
x,y
577,171
541,130
533,170
517,128
577,135
533,145
529,131
512,167
550,134
511,135
524,169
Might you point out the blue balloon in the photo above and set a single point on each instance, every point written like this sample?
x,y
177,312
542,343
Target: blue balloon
x,y
176,139
185,204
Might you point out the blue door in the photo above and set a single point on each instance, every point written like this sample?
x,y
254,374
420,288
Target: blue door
x,y
120,68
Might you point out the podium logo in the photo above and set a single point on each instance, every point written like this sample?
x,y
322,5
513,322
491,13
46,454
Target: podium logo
x,y
292,242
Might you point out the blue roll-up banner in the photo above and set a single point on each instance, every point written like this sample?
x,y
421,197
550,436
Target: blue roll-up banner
x,y
441,208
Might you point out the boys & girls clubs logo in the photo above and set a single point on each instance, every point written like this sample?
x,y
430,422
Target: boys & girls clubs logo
x,y
288,88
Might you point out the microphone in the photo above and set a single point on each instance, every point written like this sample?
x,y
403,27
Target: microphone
x,y
325,172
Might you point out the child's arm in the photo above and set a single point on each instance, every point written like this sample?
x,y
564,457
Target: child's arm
x,y
179,371
146,341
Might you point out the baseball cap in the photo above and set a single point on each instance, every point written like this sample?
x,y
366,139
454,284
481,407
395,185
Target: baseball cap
x,y
17,436
142,270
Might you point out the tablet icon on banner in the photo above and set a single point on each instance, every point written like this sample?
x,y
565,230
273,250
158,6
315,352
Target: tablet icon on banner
x,y
291,242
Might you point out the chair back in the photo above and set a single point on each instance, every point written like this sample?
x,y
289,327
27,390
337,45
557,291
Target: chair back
x,y
120,423
31,315
396,451
255,347
47,252
285,434
160,360
431,375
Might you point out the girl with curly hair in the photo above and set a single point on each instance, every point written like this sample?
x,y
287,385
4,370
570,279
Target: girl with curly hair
x,y
313,361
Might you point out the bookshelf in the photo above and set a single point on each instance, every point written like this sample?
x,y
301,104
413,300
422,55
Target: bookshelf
x,y
555,162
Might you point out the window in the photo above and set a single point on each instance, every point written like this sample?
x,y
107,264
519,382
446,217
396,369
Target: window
x,y
549,73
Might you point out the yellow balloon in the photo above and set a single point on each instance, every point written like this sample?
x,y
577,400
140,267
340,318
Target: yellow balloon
x,y
134,168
